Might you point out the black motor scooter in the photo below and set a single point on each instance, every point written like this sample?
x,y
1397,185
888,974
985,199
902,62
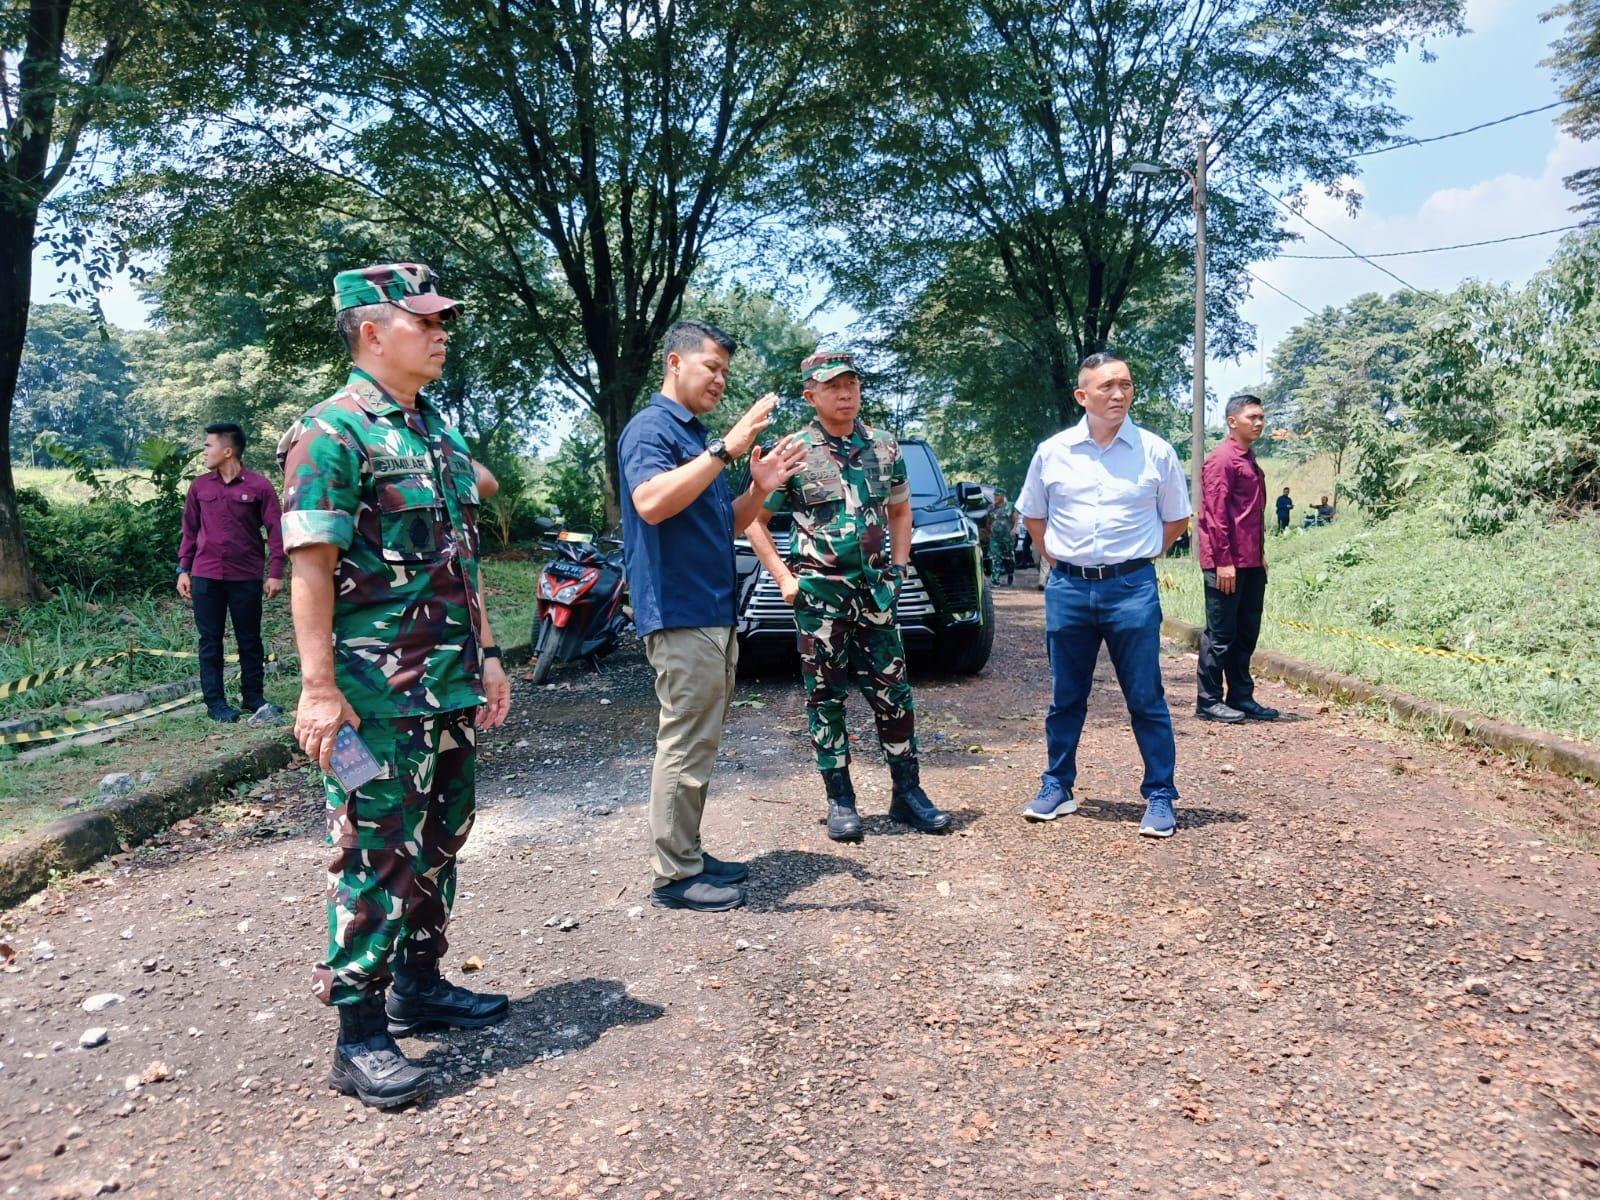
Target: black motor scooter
x,y
583,603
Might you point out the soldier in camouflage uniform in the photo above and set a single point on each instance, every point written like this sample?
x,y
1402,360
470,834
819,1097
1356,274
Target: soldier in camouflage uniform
x,y
380,521
1002,539
852,508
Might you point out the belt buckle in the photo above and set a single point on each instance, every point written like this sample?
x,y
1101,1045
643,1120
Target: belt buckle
x,y
1099,573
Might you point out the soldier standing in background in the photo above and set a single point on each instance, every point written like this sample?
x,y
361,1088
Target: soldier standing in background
x,y
1002,539
852,494
380,517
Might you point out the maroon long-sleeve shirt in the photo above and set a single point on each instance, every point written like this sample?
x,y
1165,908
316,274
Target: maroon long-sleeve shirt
x,y
222,526
1233,507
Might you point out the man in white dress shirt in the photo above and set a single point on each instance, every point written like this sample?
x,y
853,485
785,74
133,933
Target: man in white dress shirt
x,y
1102,500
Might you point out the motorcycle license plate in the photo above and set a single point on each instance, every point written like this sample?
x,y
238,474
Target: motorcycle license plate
x,y
567,570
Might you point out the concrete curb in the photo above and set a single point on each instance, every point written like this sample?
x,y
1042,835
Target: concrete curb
x,y
71,843
1547,751
78,841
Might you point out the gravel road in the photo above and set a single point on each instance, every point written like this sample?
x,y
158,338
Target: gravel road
x,y
1364,968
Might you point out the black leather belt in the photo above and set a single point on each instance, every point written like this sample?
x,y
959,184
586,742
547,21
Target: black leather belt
x,y
1107,572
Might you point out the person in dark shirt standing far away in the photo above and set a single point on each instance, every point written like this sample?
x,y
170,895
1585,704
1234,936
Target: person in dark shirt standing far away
x,y
1101,501
1285,507
678,522
220,559
1233,507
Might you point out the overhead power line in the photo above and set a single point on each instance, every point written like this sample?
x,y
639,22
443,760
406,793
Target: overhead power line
x,y
1279,290
1279,200
1455,133
1515,237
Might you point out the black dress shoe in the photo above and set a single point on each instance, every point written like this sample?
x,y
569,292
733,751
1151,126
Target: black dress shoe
x,y
440,1004
225,713
1219,712
699,894
719,871
1253,711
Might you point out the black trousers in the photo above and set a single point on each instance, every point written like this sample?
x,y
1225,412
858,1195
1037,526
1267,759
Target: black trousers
x,y
215,601
1233,626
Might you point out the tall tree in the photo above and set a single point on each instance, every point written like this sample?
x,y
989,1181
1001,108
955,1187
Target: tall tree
x,y
1009,143
100,74
1576,60
74,383
580,157
1346,366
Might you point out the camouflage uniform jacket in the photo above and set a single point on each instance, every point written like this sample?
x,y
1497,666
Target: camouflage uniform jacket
x,y
839,503
397,492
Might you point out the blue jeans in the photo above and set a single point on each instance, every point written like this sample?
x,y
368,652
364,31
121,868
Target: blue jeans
x,y
1125,614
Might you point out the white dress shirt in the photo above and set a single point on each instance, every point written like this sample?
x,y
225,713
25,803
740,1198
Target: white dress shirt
x,y
1104,506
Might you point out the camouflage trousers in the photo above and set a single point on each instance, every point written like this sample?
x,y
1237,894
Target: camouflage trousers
x,y
845,638
393,877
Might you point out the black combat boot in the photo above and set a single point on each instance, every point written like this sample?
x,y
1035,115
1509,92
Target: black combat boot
x,y
366,1062
910,804
422,999
844,823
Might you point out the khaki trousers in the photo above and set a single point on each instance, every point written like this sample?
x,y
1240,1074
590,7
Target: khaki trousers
x,y
694,684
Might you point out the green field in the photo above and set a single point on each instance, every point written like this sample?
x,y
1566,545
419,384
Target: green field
x,y
1523,598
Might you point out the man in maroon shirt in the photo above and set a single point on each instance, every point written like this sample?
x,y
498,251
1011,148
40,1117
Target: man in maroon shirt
x,y
1233,507
219,567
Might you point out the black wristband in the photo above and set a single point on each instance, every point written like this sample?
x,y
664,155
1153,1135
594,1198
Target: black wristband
x,y
490,651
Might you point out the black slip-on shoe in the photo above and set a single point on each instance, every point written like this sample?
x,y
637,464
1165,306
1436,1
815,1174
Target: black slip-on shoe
x,y
721,871
699,894
1219,712
1253,711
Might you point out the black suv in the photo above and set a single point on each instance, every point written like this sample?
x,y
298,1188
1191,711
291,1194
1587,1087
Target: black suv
x,y
945,607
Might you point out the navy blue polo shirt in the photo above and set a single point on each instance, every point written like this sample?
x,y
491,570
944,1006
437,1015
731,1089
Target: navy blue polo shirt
x,y
680,572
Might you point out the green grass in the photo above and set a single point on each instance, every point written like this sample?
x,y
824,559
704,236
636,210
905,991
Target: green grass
x,y
1522,597
73,626
59,487
35,793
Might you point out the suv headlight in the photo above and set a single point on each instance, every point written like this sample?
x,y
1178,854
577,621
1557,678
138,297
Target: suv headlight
x,y
951,533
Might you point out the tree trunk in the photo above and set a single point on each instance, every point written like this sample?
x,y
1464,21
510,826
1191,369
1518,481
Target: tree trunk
x,y
614,406
18,586
23,186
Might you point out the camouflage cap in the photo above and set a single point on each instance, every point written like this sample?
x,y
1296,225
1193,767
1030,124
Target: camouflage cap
x,y
409,285
820,368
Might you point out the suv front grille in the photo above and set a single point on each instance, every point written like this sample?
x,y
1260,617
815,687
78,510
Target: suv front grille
x,y
952,580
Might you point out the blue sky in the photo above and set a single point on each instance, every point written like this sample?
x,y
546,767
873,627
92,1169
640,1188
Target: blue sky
x,y
1493,183
1497,182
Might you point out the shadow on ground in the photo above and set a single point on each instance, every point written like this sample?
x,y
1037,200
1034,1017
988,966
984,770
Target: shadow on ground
x,y
554,1021
777,876
1126,813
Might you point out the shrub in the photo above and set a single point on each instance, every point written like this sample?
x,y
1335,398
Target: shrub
x,y
111,545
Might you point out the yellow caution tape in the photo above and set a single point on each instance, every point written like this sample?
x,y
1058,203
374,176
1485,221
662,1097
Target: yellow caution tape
x,y
17,686
83,727
1431,651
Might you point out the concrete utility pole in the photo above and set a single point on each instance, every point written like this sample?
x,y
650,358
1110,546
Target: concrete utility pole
x,y
1197,184
1197,451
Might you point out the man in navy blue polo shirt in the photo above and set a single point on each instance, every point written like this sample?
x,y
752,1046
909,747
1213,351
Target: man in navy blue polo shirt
x,y
679,518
